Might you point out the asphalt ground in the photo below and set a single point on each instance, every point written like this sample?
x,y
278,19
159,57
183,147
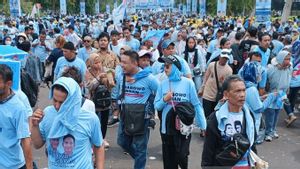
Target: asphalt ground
x,y
282,153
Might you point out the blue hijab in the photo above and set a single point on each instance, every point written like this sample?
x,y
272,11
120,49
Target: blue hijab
x,y
67,115
175,74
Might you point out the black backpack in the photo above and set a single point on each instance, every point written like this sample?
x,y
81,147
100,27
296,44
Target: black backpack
x,y
29,87
102,97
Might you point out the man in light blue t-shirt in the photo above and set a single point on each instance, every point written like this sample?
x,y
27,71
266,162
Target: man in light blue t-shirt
x,y
69,132
134,92
69,60
15,149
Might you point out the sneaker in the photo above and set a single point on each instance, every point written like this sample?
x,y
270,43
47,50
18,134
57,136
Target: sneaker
x,y
290,120
106,144
202,133
268,138
152,124
276,136
113,122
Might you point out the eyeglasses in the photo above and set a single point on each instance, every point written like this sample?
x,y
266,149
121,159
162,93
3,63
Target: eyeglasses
x,y
226,53
86,41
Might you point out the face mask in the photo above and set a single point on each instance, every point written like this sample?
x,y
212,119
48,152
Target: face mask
x,y
7,42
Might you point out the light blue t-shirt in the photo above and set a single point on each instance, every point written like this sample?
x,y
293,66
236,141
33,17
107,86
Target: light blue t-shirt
x,y
13,127
158,67
84,54
40,51
62,64
74,150
137,92
183,91
133,43
24,99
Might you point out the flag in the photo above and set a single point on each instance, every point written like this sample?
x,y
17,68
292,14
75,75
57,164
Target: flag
x,y
33,11
222,7
155,36
119,13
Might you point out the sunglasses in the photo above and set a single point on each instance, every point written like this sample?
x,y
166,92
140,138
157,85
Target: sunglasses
x,y
226,53
86,41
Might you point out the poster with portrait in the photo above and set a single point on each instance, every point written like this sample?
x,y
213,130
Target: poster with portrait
x,y
263,11
202,8
221,7
82,7
63,7
15,8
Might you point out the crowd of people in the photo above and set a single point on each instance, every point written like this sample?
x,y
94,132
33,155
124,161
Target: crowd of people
x,y
228,76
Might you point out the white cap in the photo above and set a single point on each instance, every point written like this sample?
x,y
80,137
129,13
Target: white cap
x,y
225,53
143,52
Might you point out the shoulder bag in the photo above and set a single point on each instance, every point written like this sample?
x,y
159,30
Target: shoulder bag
x,y
219,95
133,115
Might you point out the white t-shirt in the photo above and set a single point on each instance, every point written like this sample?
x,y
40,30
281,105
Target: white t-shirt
x,y
89,106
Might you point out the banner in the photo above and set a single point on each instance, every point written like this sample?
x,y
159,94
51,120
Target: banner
x,y
82,7
63,7
97,7
16,69
194,6
188,6
155,36
202,8
15,8
263,10
184,9
107,9
221,8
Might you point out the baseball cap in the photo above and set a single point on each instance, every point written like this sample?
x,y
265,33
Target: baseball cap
x,y
144,52
69,46
167,43
171,60
225,53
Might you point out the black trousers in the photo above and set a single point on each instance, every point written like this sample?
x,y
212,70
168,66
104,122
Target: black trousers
x,y
208,107
175,150
103,117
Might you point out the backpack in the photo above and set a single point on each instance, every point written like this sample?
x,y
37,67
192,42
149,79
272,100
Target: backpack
x,y
102,97
29,87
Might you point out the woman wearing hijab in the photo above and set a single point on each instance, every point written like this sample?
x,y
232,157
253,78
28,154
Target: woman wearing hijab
x,y
96,76
174,92
196,60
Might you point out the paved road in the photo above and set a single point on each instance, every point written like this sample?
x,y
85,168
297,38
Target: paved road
x,y
281,153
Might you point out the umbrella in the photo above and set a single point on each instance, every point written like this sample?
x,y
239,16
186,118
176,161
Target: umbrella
x,y
11,52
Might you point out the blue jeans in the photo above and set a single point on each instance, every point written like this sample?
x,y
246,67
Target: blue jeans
x,y
136,146
271,118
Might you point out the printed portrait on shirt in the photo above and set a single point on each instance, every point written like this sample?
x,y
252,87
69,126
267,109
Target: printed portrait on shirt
x,y
61,151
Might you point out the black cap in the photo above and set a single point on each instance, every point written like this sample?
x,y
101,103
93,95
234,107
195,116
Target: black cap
x,y
171,60
69,46
114,32
71,27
